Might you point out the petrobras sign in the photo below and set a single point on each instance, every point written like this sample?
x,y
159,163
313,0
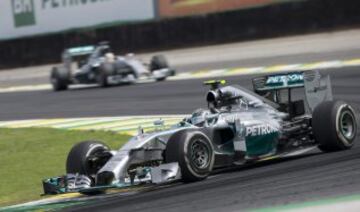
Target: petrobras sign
x,y
20,18
23,12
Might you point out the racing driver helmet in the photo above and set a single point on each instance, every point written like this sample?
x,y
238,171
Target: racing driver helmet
x,y
198,117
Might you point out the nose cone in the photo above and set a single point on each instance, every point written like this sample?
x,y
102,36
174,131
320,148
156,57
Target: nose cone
x,y
105,178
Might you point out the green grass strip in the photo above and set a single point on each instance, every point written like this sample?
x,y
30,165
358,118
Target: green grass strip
x,y
29,155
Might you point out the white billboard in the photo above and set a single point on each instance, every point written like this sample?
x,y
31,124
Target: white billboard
x,y
20,18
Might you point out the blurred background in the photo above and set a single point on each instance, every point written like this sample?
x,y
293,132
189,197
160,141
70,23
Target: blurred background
x,y
35,32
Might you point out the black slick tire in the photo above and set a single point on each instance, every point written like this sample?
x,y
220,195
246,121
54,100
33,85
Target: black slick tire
x,y
334,126
180,149
77,160
158,62
105,70
60,78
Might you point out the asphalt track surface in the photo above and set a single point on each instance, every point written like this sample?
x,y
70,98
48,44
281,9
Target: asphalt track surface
x,y
309,178
169,97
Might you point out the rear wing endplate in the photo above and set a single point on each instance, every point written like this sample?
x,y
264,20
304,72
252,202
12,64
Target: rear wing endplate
x,y
317,89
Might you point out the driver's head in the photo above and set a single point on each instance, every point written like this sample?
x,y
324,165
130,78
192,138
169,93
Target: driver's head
x,y
109,57
198,117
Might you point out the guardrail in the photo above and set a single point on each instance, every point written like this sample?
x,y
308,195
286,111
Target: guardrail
x,y
269,21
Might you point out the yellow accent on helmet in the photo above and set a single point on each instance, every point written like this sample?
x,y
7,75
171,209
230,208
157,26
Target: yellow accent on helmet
x,y
211,82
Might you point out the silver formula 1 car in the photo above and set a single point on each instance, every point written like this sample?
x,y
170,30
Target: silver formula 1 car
x,y
239,127
98,65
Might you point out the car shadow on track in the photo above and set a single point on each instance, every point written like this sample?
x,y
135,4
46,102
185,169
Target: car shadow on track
x,y
260,164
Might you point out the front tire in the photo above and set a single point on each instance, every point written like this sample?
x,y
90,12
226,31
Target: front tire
x,y
158,62
78,158
334,126
106,69
60,78
194,153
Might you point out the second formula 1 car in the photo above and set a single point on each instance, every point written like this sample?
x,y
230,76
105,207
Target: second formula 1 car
x,y
238,127
98,65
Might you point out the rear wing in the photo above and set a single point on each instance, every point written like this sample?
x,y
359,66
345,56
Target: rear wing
x,y
79,51
279,81
72,53
317,88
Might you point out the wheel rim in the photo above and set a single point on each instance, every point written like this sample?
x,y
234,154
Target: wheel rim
x,y
200,154
347,125
91,167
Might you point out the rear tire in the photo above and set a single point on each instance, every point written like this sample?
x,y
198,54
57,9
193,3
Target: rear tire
x,y
334,126
60,78
194,153
161,79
